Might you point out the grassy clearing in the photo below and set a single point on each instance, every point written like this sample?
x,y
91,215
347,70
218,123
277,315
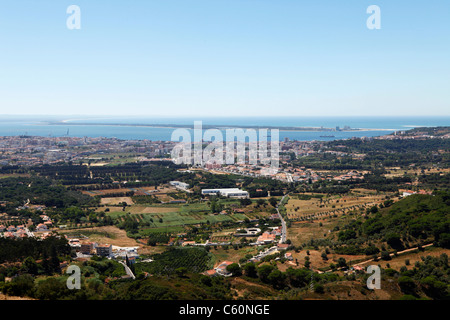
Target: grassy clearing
x,y
107,234
220,254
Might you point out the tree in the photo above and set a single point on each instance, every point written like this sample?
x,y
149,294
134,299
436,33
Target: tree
x,y
45,263
341,263
51,289
22,285
260,202
385,255
30,266
298,278
181,271
393,239
307,263
250,270
245,202
407,285
54,260
264,271
444,240
371,250
318,288
235,269
277,279
346,235
273,202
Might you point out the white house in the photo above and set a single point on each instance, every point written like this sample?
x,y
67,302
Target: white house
x,y
41,227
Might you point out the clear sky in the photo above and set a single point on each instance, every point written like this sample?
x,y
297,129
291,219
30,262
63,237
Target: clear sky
x,y
225,58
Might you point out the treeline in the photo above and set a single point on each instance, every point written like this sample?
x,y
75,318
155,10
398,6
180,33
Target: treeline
x,y
378,153
103,176
11,169
261,187
12,250
435,180
396,152
291,279
18,191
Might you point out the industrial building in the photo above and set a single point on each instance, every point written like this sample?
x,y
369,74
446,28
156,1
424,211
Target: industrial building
x,y
228,192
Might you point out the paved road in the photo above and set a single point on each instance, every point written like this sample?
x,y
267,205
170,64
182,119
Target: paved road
x,y
127,270
283,223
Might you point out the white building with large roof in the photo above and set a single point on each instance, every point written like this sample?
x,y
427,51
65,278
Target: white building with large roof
x,y
227,192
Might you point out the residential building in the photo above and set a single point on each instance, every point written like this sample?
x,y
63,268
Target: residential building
x,y
104,250
87,247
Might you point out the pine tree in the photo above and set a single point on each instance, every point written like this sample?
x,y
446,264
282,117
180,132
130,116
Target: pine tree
x,y
45,263
54,260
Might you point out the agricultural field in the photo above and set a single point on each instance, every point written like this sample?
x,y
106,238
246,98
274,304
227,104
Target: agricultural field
x,y
399,172
116,201
316,205
303,231
111,159
168,217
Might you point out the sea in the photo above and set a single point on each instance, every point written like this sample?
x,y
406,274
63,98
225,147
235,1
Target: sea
x,y
127,128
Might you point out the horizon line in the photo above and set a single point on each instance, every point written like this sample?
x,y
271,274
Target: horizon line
x,y
219,116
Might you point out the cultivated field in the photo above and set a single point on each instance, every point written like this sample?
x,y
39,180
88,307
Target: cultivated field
x,y
116,201
316,206
399,172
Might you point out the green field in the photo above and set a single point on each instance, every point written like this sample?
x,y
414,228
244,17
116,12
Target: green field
x,y
178,215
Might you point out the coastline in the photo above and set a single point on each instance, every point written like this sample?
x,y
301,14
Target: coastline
x,y
222,127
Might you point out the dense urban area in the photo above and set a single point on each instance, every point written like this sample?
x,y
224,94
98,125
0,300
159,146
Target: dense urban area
x,y
140,226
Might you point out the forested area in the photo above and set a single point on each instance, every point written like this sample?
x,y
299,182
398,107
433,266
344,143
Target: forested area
x,y
12,250
378,154
102,177
16,191
409,222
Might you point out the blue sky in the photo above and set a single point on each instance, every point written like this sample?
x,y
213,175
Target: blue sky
x,y
225,58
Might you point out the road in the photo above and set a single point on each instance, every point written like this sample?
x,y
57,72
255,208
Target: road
x,y
127,270
273,249
283,223
370,260
392,254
